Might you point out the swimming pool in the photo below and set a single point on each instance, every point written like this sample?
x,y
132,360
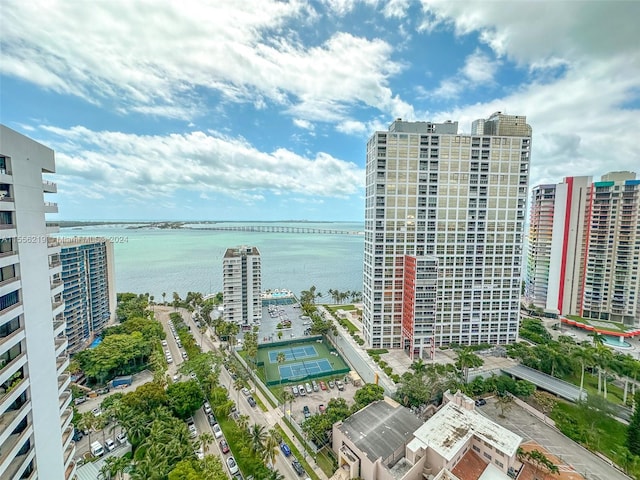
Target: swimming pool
x,y
615,341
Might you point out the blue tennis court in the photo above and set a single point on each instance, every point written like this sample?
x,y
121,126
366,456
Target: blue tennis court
x,y
304,369
294,353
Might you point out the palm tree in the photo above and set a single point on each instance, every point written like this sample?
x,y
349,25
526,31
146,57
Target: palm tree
x,y
287,396
466,360
206,439
603,358
419,367
258,436
585,357
87,423
243,422
115,467
275,475
164,298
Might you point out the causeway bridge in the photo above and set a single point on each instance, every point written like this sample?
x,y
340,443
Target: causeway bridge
x,y
278,229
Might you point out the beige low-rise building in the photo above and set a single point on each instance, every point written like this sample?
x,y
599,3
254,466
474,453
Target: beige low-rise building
x,y
386,441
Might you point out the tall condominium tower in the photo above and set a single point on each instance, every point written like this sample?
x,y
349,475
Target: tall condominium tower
x,y
611,282
35,422
444,221
241,286
592,267
89,288
557,236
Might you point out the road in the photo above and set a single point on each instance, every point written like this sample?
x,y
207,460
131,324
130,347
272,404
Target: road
x,y
529,427
256,415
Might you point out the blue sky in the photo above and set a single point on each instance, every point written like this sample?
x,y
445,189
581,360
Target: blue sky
x,y
261,109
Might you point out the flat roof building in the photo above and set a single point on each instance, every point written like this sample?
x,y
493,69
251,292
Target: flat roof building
x,y
89,288
242,286
444,226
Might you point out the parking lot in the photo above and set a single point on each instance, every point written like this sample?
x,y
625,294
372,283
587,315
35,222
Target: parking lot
x,y
321,397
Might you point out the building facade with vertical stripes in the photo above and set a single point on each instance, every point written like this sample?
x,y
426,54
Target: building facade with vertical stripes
x,y
593,263
444,221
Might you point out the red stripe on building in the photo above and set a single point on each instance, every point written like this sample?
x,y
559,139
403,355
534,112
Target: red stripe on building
x,y
565,242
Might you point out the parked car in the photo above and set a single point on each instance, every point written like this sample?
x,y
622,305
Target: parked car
x,y
96,412
251,401
340,385
193,431
321,408
297,467
323,386
212,419
480,402
217,431
285,449
207,408
332,384
77,435
315,386
307,387
199,453
110,444
294,390
306,411
164,343
233,466
121,438
224,446
301,390
245,391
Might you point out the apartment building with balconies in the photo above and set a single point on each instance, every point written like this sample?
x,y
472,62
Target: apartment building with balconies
x,y
89,288
242,286
36,434
587,237
438,197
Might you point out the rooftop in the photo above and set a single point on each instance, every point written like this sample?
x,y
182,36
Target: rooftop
x,y
380,428
453,425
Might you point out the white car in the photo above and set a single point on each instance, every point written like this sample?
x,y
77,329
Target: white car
x,y
217,431
207,408
164,343
193,431
233,466
199,453
110,444
245,391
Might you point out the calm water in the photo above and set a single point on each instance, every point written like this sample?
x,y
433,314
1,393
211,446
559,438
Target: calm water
x,y
156,261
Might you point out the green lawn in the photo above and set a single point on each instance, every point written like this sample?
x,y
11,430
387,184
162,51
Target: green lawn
x,y
592,430
614,393
612,326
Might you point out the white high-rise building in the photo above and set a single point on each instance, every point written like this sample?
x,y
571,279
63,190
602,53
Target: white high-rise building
x,y
584,249
241,286
444,220
35,400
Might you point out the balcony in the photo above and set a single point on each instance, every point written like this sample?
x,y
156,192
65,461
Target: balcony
x,y
65,400
53,227
62,363
50,207
12,367
10,340
58,326
19,463
9,420
67,434
7,398
61,345
70,471
63,382
49,187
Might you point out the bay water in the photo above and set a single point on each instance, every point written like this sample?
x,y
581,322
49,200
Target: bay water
x,y
154,260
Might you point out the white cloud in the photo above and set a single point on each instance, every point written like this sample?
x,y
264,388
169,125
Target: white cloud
x,y
305,124
541,32
578,125
154,57
478,70
148,167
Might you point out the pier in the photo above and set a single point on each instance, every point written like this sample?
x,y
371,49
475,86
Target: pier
x,y
278,229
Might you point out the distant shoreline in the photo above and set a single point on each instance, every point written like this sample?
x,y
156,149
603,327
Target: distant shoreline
x,y
180,223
